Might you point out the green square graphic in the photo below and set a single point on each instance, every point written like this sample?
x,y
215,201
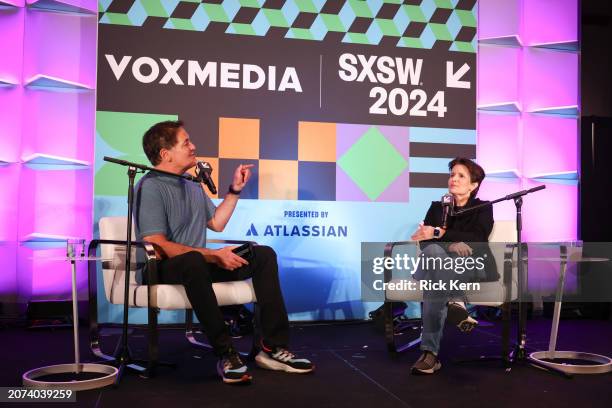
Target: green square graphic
x,y
372,163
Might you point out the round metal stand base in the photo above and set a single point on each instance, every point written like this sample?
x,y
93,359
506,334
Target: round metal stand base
x,y
107,376
600,364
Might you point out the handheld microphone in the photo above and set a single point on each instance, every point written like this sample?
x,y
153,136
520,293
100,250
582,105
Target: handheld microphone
x,y
204,172
448,204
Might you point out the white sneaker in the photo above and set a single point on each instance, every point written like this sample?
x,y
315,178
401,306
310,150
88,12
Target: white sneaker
x,y
281,359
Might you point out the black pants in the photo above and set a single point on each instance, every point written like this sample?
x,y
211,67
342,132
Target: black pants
x,y
192,271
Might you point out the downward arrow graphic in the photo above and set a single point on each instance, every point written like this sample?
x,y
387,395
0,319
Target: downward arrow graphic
x,y
453,78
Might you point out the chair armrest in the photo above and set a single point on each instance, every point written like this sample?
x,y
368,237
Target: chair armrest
x,y
93,247
95,243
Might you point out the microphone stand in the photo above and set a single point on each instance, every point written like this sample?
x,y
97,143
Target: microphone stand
x,y
519,353
122,353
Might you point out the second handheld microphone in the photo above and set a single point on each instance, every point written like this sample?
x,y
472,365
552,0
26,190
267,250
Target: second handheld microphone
x,y
204,172
448,203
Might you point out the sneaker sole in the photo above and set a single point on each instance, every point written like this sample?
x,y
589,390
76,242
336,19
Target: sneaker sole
x,y
244,379
460,318
419,371
276,366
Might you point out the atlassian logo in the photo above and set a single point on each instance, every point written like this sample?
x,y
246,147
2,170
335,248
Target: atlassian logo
x,y
300,231
252,232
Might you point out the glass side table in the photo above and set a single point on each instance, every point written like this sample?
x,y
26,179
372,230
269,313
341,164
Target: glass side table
x,y
561,359
76,376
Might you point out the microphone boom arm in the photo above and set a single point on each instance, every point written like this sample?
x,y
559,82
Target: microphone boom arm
x,y
147,168
512,196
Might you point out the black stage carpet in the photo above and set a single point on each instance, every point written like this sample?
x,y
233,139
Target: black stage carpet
x,y
353,370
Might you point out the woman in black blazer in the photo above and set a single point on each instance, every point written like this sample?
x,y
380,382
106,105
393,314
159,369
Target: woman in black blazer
x,y
455,241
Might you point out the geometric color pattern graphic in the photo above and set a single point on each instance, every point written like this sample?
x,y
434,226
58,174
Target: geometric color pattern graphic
x,y
375,164
336,161
447,24
342,162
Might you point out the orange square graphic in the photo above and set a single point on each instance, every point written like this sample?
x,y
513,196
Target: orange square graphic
x,y
278,179
238,138
214,162
317,141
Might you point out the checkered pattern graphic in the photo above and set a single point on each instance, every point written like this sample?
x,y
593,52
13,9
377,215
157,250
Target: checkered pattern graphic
x,y
342,162
449,24
335,161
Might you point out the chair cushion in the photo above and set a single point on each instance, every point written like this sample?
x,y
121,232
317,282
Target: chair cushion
x,y
170,297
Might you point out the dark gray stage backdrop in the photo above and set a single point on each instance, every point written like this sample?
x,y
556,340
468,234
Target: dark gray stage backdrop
x,y
350,111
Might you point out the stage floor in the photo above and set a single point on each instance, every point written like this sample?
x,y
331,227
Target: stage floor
x,y
353,370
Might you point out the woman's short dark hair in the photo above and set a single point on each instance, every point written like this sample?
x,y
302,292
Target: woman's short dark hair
x,y
477,173
161,135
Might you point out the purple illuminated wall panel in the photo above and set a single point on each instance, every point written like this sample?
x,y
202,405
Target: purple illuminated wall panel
x,y
55,203
498,18
550,145
498,74
63,125
53,46
10,122
50,274
73,5
11,31
9,186
498,142
34,261
549,21
550,214
550,79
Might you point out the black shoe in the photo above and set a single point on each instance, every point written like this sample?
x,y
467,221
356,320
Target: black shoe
x,y
232,370
278,358
428,363
459,316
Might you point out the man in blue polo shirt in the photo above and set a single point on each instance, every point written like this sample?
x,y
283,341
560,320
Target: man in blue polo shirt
x,y
173,214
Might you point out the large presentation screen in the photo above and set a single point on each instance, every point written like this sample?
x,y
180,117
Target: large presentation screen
x,y
349,110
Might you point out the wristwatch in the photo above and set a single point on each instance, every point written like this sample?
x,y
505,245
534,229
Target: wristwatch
x,y
232,191
437,232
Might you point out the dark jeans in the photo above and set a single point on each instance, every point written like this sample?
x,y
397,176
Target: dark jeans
x,y
192,271
435,308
